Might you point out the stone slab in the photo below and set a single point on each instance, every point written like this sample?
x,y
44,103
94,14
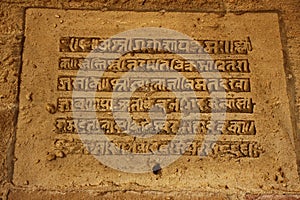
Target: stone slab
x,y
261,158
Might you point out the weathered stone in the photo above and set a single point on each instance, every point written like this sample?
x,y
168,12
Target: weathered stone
x,y
12,19
273,197
64,195
262,158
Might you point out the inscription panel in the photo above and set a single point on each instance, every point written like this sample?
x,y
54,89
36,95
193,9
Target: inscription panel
x,y
232,100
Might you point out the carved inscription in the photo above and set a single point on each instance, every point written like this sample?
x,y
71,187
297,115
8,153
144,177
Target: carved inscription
x,y
206,105
172,100
140,65
235,149
71,83
142,45
109,126
230,60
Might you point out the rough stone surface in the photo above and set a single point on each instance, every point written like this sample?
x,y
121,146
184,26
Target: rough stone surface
x,y
76,195
273,197
12,15
35,136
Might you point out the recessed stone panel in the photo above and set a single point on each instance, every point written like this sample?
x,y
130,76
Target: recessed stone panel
x,y
153,100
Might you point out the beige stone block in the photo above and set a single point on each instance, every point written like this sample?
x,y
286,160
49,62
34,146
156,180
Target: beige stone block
x,y
248,159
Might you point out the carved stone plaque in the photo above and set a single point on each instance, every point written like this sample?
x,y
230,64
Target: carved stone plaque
x,y
154,100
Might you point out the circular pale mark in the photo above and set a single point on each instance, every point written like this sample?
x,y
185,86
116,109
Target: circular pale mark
x,y
115,153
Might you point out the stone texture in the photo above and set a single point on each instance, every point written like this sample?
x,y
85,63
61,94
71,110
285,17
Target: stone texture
x,y
275,169
273,197
12,19
6,156
76,195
